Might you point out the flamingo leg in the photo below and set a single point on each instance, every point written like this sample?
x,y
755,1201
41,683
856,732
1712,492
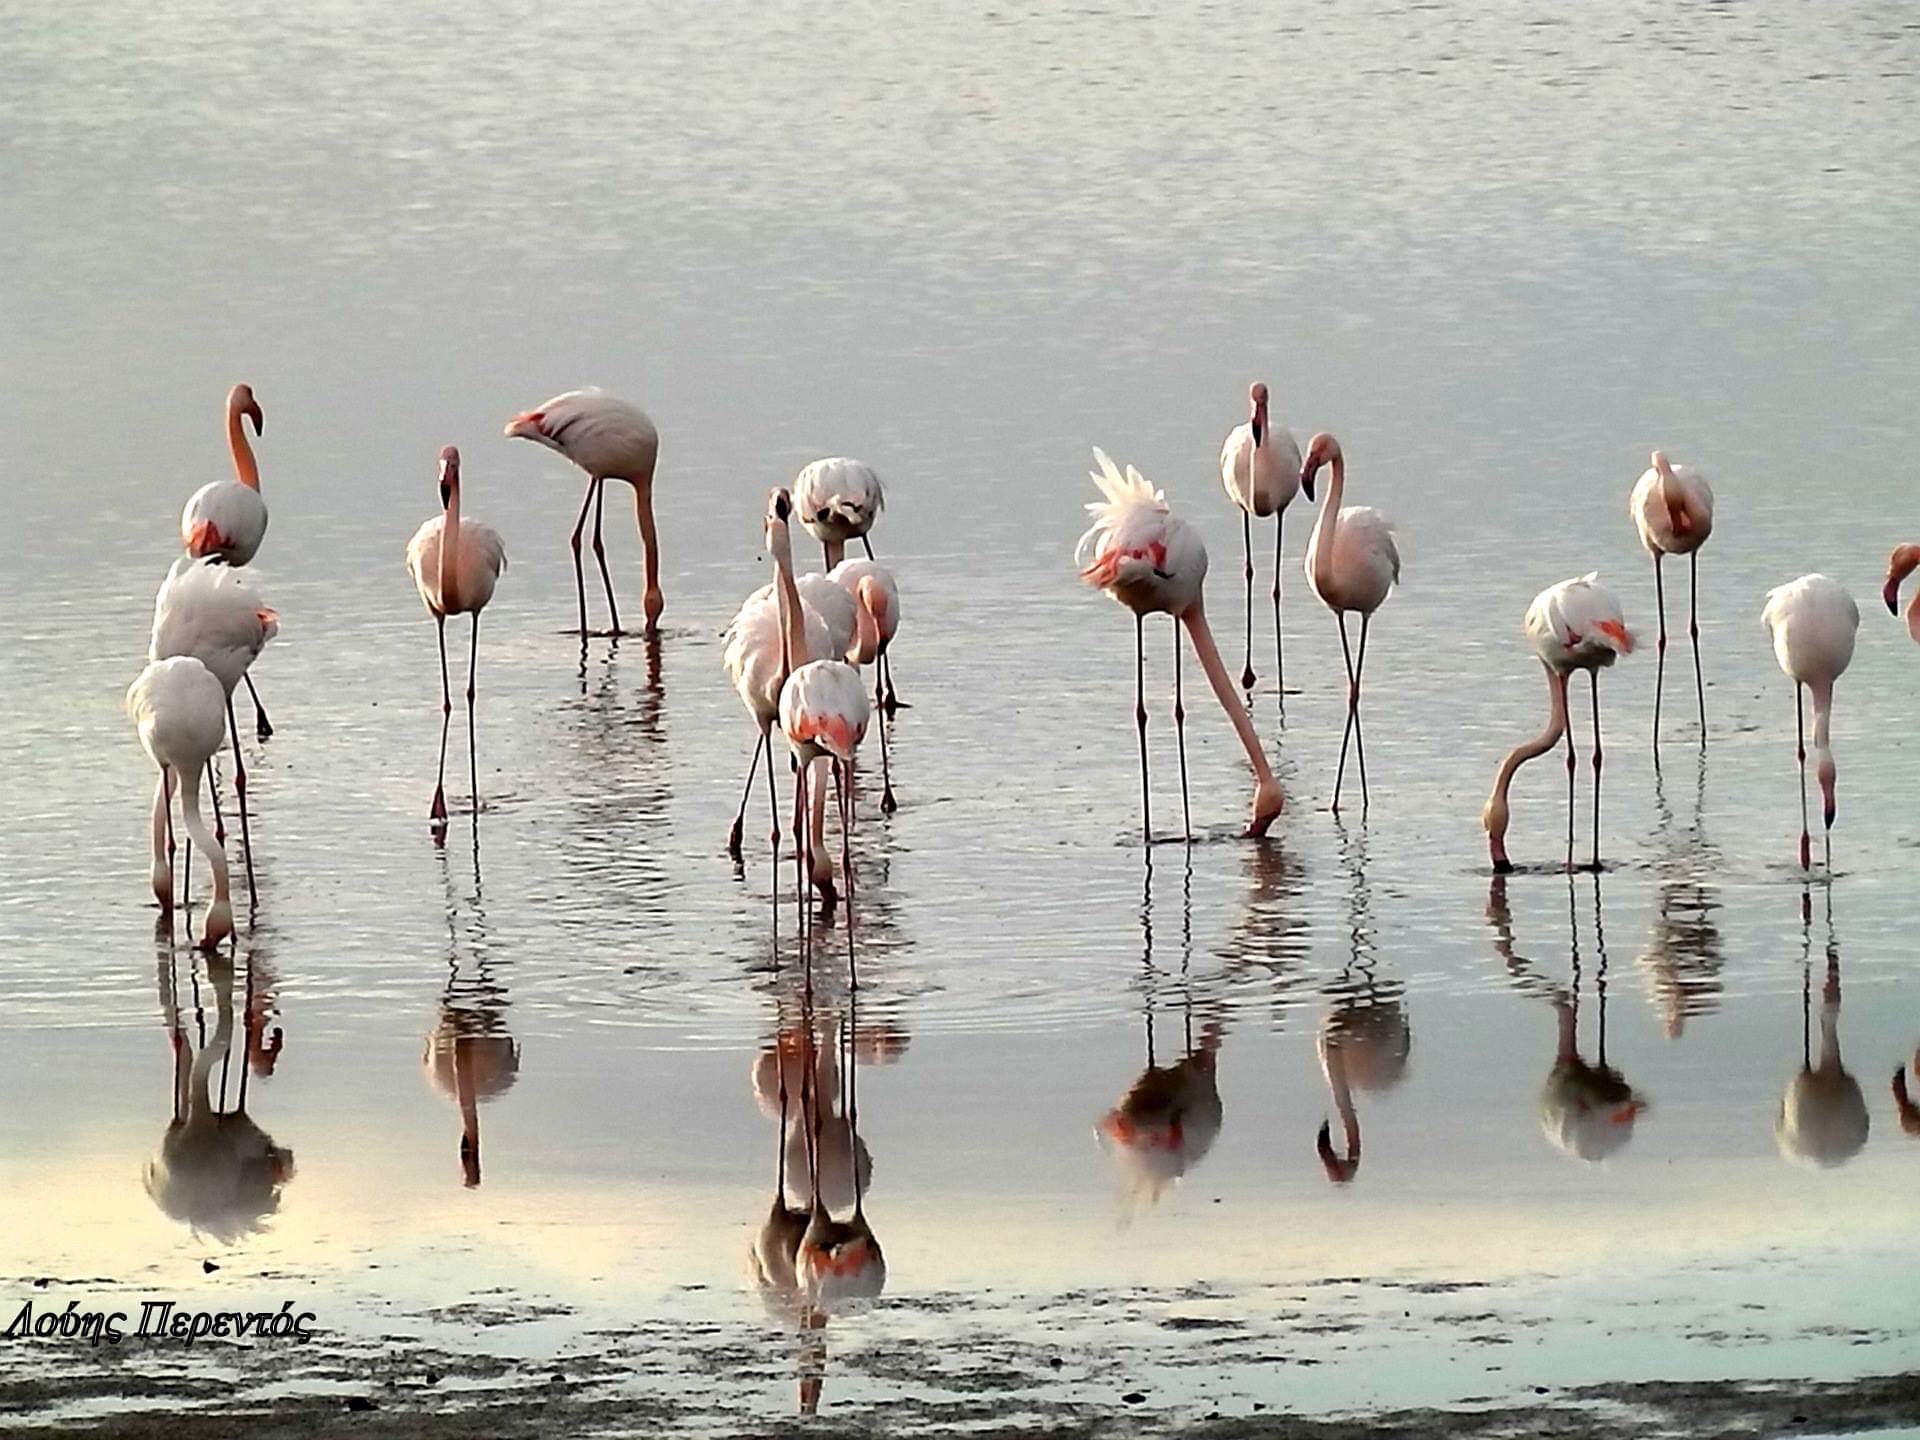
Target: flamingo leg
x,y
1800,725
843,800
262,727
219,815
887,803
579,572
1359,737
740,815
1660,655
1594,677
1279,635
1247,677
1571,768
600,557
1346,653
653,602
1140,720
166,777
800,855
1180,723
162,818
894,702
240,796
473,750
867,545
1693,630
773,837
437,812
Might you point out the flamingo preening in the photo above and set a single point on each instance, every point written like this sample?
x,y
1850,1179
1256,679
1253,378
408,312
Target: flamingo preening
x,y
1813,621
1260,468
455,563
1575,625
1151,561
1352,564
610,440
181,709
1672,508
227,519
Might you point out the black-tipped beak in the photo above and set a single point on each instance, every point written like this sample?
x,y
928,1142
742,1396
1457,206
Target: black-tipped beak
x,y
446,492
1892,596
780,508
1306,482
259,420
1259,430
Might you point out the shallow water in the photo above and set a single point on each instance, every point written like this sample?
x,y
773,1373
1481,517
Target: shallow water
x,y
1502,255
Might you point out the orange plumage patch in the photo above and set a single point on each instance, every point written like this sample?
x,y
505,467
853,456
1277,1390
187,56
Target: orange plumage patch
x,y
1617,633
204,540
834,730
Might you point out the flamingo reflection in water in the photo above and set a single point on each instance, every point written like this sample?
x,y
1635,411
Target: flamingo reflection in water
x,y
1365,1038
216,1171
1588,1110
470,1056
1684,954
1822,1121
1170,1116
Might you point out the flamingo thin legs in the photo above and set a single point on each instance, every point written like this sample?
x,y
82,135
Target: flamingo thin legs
x,y
1572,768
240,794
1693,630
1594,676
740,815
600,556
1180,725
1353,713
1247,677
262,727
1800,726
1140,720
1279,637
579,573
473,752
437,812
1660,657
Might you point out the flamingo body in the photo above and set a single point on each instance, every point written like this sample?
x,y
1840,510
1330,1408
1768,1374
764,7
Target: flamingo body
x,y
752,657
1137,550
478,560
824,711
204,609
1813,621
876,597
1352,561
1674,514
838,499
605,436
1261,473
1577,625
179,708
224,521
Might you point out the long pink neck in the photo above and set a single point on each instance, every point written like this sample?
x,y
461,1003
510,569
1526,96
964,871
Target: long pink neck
x,y
450,549
1496,810
1195,620
793,624
1329,523
244,468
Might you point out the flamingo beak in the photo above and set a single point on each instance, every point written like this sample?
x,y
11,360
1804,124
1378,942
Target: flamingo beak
x,y
1255,425
525,426
1892,596
253,413
1306,479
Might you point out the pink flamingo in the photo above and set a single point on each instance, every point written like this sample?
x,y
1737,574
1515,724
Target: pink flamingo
x,y
455,563
227,519
1575,625
1151,561
1813,621
1260,467
610,440
1672,508
1352,564
180,708
1904,560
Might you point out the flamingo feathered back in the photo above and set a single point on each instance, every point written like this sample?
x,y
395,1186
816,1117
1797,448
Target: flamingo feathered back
x,y
602,434
204,609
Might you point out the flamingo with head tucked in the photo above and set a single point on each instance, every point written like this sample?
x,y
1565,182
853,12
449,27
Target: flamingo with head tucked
x,y
837,500
1672,508
1352,565
180,708
1260,468
455,563
1813,621
610,440
227,519
1151,561
1575,625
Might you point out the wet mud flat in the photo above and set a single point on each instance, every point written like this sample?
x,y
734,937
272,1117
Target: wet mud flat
x,y
1052,1369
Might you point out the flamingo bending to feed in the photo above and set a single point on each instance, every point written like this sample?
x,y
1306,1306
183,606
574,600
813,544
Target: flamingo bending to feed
x,y
1904,560
1813,621
610,440
824,715
1352,564
876,599
455,564
181,710
838,499
1260,467
1672,508
756,661
1153,562
1575,625
204,609
227,519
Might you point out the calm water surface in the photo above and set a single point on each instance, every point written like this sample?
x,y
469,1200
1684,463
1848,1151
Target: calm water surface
x,y
1501,253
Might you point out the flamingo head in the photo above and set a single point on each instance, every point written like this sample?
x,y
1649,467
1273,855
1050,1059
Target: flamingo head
x,y
1904,560
1495,818
779,512
1340,1168
449,472
1257,421
527,426
240,401
1662,466
217,926
1323,449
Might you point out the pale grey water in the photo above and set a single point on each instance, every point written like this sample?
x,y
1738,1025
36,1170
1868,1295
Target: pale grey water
x,y
1501,253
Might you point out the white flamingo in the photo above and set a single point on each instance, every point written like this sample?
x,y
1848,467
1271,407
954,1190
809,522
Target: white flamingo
x,y
1813,621
1575,625
1672,508
610,440
1260,468
181,710
1352,564
227,519
837,500
455,563
206,610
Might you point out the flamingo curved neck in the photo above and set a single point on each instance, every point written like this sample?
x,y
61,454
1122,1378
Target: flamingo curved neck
x,y
793,625
1329,524
244,468
1528,750
450,550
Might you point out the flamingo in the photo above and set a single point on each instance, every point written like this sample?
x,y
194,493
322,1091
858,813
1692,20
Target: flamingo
x,y
1575,625
455,564
1904,560
227,519
180,708
1151,561
1260,467
1813,621
876,598
1352,564
610,440
756,660
838,500
1672,508
824,715
204,609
